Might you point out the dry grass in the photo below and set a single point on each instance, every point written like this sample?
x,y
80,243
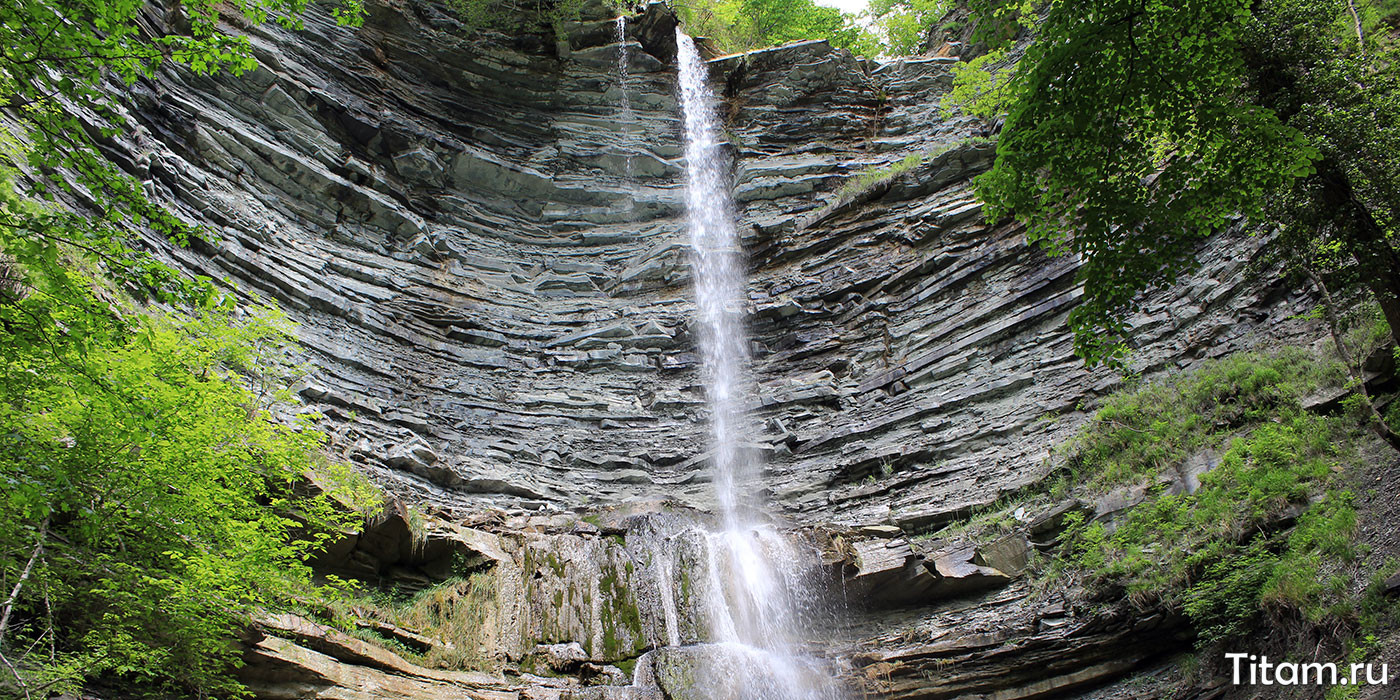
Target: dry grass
x,y
463,614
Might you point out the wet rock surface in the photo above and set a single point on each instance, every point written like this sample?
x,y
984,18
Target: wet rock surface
x,y
497,319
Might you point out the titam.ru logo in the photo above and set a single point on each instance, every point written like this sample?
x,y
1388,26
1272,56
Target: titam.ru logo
x,y
1253,669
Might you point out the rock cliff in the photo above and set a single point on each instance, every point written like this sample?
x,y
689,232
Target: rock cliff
x,y
486,255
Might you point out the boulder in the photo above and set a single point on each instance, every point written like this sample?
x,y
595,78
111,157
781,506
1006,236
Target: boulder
x,y
562,658
297,658
1045,528
882,531
1108,507
959,574
1008,554
1191,471
888,573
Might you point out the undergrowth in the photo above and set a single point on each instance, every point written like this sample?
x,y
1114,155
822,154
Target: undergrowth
x,y
983,523
459,615
460,612
1144,430
874,176
1270,533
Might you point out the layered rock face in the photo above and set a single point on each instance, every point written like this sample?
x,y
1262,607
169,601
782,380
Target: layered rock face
x,y
487,257
498,316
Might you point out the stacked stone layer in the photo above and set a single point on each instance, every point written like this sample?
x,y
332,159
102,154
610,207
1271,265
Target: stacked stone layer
x,y
496,315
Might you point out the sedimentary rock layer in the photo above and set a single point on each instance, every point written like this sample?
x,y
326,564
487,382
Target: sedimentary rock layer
x,y
488,265
496,314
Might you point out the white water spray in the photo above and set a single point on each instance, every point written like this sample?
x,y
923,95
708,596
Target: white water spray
x,y
757,598
720,281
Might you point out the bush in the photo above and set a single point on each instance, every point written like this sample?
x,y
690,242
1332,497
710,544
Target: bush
x,y
150,501
745,25
1224,603
1221,554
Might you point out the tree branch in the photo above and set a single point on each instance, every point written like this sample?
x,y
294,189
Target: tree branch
x,y
18,678
1329,311
1356,20
28,569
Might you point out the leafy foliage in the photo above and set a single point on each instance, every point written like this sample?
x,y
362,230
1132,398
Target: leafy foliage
x,y
1134,129
150,500
885,28
1161,545
61,62
746,25
1139,433
1224,554
904,25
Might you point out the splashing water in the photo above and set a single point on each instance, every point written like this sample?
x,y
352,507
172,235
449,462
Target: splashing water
x,y
728,608
756,595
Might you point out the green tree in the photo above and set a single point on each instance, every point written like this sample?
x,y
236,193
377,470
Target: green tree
x,y
904,25
746,25
1135,128
150,503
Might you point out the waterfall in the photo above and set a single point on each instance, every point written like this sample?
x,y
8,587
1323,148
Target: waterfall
x,y
720,281
756,598
626,117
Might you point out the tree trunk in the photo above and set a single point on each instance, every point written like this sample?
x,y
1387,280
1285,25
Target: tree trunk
x,y
1365,241
9,605
1353,362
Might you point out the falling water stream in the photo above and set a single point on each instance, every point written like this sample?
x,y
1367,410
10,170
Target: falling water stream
x,y
756,598
626,116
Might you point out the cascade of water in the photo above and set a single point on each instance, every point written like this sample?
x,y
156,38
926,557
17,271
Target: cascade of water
x,y
627,118
719,275
755,598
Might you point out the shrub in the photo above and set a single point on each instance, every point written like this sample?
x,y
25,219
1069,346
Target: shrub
x,y
150,500
1222,554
